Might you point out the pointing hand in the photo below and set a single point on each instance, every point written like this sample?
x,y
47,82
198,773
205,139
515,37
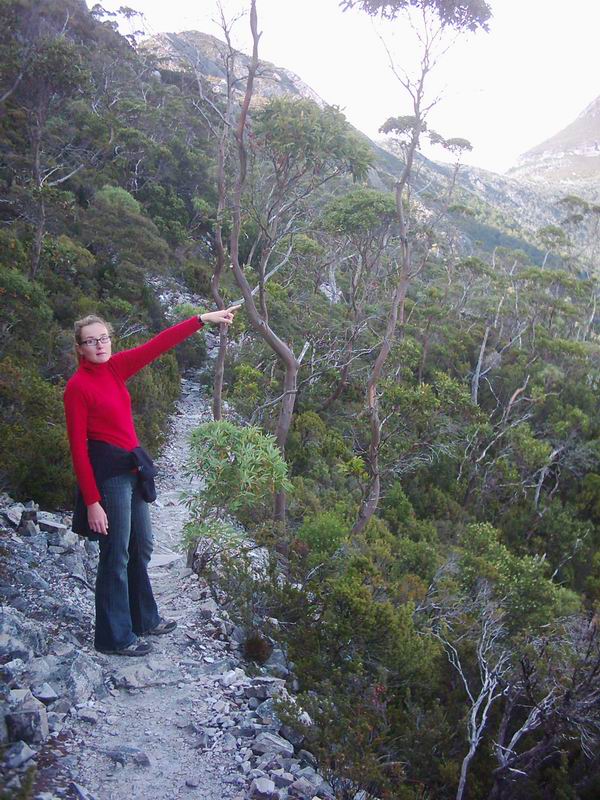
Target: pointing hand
x,y
223,315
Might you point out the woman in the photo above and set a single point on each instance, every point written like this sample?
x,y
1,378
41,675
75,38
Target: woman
x,y
114,477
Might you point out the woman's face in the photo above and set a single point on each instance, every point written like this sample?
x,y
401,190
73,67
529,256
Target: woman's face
x,y
91,348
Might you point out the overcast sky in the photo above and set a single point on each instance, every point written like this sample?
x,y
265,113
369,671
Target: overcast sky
x,y
505,91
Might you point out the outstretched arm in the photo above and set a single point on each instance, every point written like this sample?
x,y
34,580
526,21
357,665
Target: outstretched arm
x,y
128,362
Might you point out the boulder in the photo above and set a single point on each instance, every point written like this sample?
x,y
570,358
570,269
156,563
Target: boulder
x,y
302,788
271,743
20,637
27,723
17,754
44,693
263,789
83,678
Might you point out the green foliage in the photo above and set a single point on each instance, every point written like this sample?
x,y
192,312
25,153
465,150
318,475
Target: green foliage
x,y
248,389
124,242
302,137
522,582
323,533
224,537
118,199
359,211
25,316
192,351
242,468
32,424
396,508
459,14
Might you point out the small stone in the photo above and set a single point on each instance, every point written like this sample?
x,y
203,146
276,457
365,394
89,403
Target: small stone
x,y
87,715
52,527
229,743
263,789
124,754
192,783
80,792
27,528
303,788
17,754
44,692
304,755
282,778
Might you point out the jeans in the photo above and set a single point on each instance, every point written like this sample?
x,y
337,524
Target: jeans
x,y
125,605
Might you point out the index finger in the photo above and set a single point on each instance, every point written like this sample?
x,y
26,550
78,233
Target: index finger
x,y
233,308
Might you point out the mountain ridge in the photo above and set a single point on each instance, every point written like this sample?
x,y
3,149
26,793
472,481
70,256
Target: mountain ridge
x,y
569,158
528,203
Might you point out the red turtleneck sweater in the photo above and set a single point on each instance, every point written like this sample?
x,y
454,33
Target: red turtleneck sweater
x,y
98,404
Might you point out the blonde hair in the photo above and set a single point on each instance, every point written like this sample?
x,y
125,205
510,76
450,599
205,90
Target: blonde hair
x,y
91,319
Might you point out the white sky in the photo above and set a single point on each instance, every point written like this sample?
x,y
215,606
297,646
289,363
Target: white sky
x,y
505,91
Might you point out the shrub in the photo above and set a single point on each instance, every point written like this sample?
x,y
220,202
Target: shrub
x,y
324,533
242,468
35,460
248,388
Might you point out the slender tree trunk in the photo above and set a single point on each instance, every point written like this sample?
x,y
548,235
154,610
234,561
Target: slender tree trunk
x,y
290,388
282,350
40,225
477,373
38,239
216,279
371,502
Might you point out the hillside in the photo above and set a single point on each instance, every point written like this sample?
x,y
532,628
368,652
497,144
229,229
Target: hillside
x,y
508,211
569,161
401,423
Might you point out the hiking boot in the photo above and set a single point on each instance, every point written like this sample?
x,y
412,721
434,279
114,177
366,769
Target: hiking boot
x,y
164,626
136,648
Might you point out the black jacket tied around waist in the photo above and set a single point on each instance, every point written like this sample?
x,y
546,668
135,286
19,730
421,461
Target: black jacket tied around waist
x,y
108,460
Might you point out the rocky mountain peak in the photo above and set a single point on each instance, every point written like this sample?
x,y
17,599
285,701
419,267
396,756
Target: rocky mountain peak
x,y
570,158
205,54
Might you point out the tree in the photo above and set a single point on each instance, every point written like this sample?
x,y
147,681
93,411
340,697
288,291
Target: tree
x,y
430,19
360,223
459,14
480,624
52,70
297,148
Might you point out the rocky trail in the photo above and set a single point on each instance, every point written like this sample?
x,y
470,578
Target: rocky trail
x,y
185,721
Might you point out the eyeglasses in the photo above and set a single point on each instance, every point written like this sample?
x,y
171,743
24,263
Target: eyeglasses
x,y
93,341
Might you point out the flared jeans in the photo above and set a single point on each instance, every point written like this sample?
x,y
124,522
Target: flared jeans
x,y
125,605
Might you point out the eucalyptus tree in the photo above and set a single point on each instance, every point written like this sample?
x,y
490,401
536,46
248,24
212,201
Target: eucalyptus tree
x,y
431,20
50,70
296,148
360,223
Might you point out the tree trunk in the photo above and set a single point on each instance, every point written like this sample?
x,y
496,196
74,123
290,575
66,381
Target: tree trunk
x,y
462,783
477,373
260,325
290,389
369,506
40,225
38,239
